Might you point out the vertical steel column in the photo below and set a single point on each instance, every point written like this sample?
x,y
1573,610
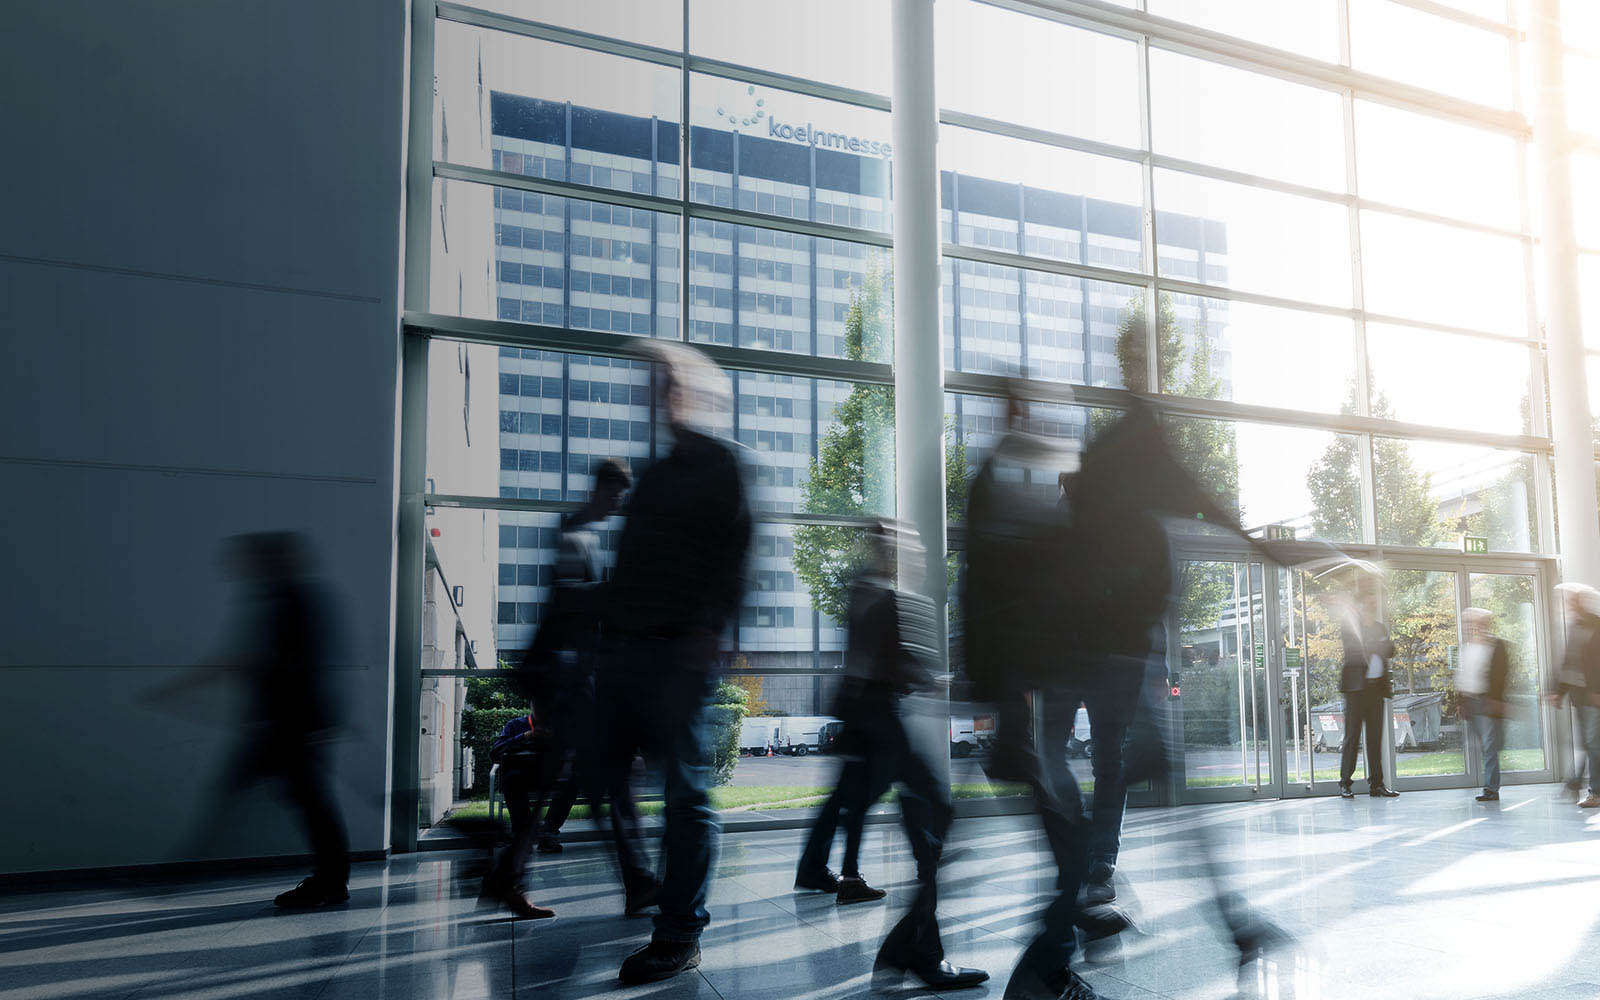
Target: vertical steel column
x,y
1570,425
918,361
406,682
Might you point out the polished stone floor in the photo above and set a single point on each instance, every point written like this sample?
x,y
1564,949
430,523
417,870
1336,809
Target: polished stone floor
x,y
1428,896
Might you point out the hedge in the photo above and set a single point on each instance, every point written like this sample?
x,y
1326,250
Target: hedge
x,y
480,726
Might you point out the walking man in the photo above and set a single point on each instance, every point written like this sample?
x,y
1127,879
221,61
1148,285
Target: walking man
x,y
1366,685
1481,677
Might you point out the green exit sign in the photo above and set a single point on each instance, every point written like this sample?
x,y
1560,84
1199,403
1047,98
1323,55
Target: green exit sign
x,y
1475,545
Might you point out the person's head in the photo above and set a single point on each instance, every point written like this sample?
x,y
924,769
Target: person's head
x,y
611,480
692,391
1477,622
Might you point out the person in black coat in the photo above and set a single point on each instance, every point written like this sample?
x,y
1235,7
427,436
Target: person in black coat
x,y
1579,681
1365,682
1482,673
680,576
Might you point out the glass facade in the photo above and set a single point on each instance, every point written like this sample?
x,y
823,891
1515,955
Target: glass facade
x,y
1282,239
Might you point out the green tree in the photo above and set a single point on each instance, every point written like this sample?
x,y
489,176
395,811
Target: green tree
x,y
853,473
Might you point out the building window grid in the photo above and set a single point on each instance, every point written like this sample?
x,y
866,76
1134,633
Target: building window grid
x,y
1038,243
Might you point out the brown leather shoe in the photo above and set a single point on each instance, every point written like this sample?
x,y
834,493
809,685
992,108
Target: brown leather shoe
x,y
514,900
1592,802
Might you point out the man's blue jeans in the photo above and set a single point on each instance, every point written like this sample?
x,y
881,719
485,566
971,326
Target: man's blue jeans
x,y
648,694
1589,715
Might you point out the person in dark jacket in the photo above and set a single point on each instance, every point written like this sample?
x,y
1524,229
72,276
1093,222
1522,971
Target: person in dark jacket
x,y
1579,681
1364,680
529,759
680,575
1482,672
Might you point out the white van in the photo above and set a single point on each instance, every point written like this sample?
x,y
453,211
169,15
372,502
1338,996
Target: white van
x,y
799,735
757,735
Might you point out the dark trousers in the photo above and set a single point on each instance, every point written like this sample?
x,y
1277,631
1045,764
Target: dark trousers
x,y
1110,714
847,806
653,699
1363,710
520,778
306,776
1491,740
1067,831
926,814
1589,719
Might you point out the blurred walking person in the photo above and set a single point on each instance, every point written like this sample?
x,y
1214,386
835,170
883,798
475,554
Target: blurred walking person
x,y
1482,673
1365,682
288,650
1579,682
680,576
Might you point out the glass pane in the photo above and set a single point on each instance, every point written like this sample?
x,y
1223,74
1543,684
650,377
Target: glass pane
x,y
816,445
1425,714
541,93
779,291
1309,27
1306,479
1511,600
1430,493
1585,172
1313,659
1261,355
1494,10
501,253
773,151
652,22
840,42
1252,239
1221,666
1424,271
1005,320
1424,377
1589,297
1415,161
1580,24
1227,117
1015,67
1010,194
1581,74
1425,50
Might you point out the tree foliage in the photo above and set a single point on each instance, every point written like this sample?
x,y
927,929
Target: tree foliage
x,y
854,471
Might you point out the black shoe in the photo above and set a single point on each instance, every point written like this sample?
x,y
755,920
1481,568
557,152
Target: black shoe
x,y
1099,892
1489,796
888,974
549,844
313,892
1380,792
1104,921
1346,792
658,960
1066,985
514,900
853,889
821,880
641,898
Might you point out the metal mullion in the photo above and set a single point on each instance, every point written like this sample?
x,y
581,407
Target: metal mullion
x,y
1240,295
622,345
466,501
1062,140
975,384
1178,36
1462,16
419,159
1443,220
804,227
784,81
1194,167
560,189
463,14
1150,262
1460,331
1005,258
685,187
1063,14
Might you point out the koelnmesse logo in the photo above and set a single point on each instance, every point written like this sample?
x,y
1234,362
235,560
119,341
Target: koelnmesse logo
x,y
754,112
